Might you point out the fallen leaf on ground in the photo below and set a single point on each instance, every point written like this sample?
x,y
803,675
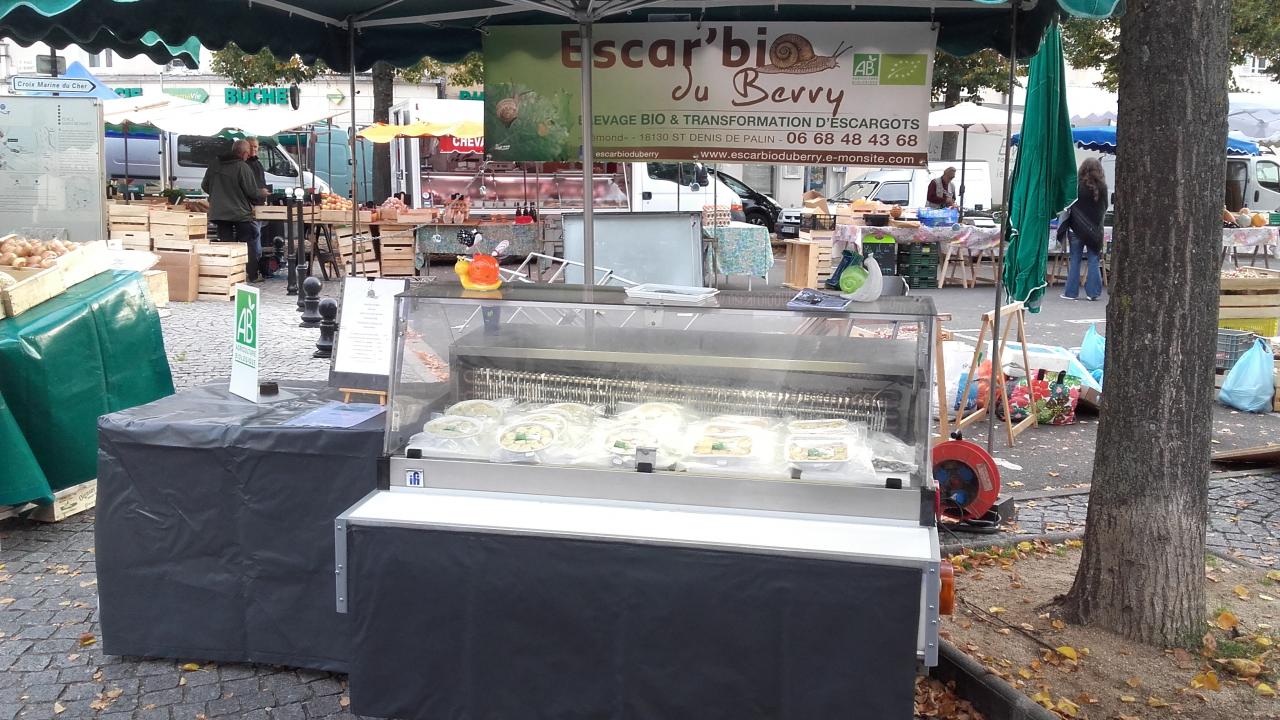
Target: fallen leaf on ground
x,y
1128,699
59,708
1066,707
1074,543
1058,625
191,667
1002,631
1068,652
344,701
1156,702
114,693
1226,620
87,639
1134,682
1241,592
1241,667
1207,679
995,610
1265,690
1183,659
1273,575
1024,673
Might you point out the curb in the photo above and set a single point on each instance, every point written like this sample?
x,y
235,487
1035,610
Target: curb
x,y
990,695
986,541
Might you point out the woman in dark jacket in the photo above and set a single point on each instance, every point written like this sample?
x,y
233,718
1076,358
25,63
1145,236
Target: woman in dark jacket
x,y
1085,230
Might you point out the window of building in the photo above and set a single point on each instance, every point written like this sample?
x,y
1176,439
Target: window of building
x,y
1256,65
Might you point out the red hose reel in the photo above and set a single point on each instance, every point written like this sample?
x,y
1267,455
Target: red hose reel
x,y
967,477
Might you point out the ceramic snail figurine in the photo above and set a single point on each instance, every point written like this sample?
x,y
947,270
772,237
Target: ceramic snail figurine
x,y
480,272
793,54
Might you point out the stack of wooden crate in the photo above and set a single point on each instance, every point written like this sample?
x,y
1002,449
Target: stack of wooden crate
x,y
809,262
398,251
178,230
222,266
1249,299
361,246
131,225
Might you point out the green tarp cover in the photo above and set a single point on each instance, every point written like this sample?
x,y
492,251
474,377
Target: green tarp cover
x,y
95,349
1044,174
317,29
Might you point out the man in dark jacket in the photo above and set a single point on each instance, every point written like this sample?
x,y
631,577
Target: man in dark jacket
x,y
260,176
232,191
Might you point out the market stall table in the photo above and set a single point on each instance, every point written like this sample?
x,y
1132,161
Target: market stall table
x,y
521,239
973,244
1262,240
95,349
215,527
739,249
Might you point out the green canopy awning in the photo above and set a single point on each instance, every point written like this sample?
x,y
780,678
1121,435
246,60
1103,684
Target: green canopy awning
x,y
1044,177
402,32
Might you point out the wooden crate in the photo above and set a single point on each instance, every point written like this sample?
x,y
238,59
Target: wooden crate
x,y
67,502
398,268
179,224
133,239
128,217
129,224
88,260
397,252
167,242
270,212
222,258
34,286
808,264
157,286
368,267
222,285
1251,297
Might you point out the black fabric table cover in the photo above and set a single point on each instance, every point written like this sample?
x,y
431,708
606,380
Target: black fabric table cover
x,y
471,626
215,527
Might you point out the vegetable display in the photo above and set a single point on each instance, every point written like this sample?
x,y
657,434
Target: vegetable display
x,y
23,253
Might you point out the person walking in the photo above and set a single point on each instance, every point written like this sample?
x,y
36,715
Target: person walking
x,y
232,191
942,191
1083,224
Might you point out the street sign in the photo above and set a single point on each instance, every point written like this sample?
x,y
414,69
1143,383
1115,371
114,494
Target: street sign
x,y
35,83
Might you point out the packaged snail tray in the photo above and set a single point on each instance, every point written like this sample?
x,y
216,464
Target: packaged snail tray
x,y
454,436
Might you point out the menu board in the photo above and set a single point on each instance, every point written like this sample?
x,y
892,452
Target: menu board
x,y
52,175
366,336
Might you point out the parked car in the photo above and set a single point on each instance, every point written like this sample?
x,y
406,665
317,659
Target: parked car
x,y
760,209
909,188
789,223
189,155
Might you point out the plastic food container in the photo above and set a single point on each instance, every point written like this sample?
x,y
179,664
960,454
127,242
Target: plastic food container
x,y
524,440
491,410
825,425
818,452
452,436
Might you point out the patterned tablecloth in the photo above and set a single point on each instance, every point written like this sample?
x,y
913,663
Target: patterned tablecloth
x,y
1250,237
966,236
741,249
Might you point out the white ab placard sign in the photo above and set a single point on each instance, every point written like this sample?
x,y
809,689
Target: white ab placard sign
x,y
244,350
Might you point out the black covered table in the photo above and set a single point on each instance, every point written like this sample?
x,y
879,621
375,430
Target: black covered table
x,y
215,527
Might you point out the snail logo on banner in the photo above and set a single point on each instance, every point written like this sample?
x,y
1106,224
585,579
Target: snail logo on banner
x,y
799,94
244,351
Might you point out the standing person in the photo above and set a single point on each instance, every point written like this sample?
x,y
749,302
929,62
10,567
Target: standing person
x,y
1084,228
942,190
232,192
260,176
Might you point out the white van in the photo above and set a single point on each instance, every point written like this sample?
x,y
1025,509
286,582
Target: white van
x,y
1253,182
910,188
189,156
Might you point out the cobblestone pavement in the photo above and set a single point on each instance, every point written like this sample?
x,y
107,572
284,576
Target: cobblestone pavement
x,y
1244,516
52,667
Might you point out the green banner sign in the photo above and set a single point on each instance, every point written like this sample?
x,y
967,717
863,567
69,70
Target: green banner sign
x,y
256,96
128,92
741,92
193,94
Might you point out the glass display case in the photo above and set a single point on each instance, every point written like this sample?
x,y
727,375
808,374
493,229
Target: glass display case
x,y
739,401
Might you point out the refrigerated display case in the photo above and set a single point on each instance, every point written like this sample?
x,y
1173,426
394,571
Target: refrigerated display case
x,y
588,445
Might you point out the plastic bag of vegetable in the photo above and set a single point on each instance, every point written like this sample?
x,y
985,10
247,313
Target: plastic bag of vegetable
x,y
1250,384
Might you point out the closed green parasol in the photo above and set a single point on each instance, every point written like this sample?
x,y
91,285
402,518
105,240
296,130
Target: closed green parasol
x,y
1044,175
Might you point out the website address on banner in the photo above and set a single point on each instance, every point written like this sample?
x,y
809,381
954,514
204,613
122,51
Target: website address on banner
x,y
790,157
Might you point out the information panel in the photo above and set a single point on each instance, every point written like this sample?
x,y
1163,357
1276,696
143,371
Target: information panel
x,y
796,94
51,170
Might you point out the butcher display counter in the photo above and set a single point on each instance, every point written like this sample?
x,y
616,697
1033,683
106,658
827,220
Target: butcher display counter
x,y
596,502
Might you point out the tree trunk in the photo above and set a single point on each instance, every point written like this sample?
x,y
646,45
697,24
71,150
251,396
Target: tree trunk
x,y
1142,570
950,140
384,77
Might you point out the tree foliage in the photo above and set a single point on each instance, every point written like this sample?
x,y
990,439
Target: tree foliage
x,y
956,79
1255,30
466,72
246,70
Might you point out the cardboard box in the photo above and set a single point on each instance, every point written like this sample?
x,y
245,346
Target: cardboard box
x,y
158,287
183,272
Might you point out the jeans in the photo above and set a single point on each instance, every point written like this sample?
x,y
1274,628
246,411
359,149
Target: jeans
x,y
247,233
1093,282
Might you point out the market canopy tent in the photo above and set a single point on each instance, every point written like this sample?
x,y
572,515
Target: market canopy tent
x,y
183,117
1103,139
456,118
399,31
968,116
1256,115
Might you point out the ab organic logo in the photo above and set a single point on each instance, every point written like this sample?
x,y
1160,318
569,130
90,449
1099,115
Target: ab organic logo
x,y
866,68
889,68
246,322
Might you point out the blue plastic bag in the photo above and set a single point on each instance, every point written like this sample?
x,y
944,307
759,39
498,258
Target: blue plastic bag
x,y
1249,384
1093,349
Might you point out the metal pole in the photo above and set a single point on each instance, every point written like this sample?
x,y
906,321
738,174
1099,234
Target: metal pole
x,y
126,163
964,163
588,154
355,195
1008,215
